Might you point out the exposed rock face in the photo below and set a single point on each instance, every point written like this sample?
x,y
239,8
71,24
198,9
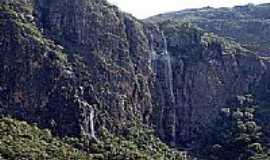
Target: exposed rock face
x,y
202,73
82,52
114,49
248,25
77,66
163,94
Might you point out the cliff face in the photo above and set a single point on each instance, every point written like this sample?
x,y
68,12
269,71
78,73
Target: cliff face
x,y
76,67
64,62
113,48
196,74
248,25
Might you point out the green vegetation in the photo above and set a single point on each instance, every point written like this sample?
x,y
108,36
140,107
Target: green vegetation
x,y
20,140
237,135
21,18
137,142
247,25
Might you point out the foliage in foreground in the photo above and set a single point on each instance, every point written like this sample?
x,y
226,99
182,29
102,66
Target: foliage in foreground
x,y
135,143
237,135
19,140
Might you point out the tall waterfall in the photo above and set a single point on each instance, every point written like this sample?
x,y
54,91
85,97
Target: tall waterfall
x,y
169,82
153,54
167,59
161,63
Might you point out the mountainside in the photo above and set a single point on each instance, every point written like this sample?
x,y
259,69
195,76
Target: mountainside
x,y
202,73
249,25
65,79
83,68
64,85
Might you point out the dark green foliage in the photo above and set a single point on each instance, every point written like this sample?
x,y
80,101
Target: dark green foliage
x,y
20,140
236,135
134,143
144,143
260,157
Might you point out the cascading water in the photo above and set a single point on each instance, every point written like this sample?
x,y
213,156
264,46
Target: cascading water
x,y
92,129
169,82
88,122
167,59
161,64
153,54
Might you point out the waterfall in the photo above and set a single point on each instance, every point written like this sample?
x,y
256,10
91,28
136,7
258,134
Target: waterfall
x,y
92,129
153,54
169,84
167,59
161,63
88,114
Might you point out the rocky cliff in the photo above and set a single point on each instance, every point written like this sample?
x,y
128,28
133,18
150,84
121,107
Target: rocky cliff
x,y
196,74
79,67
71,62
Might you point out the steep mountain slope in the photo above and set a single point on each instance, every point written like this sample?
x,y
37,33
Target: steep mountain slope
x,y
74,94
81,67
62,81
249,25
195,77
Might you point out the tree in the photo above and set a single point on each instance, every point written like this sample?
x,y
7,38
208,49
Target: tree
x,y
236,135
